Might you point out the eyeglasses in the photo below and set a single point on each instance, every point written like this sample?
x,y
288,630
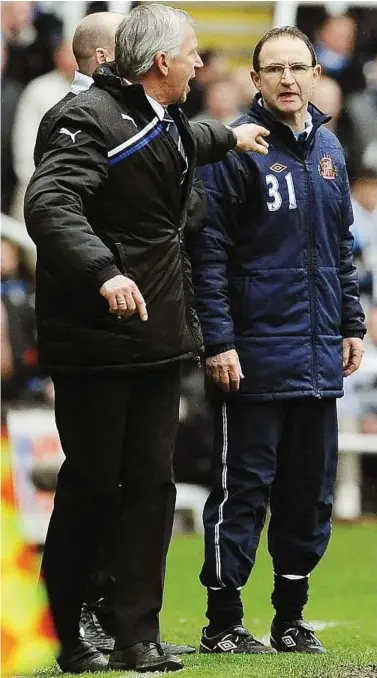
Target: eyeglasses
x,y
278,70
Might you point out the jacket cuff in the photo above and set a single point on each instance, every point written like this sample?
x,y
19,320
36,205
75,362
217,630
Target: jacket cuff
x,y
106,274
234,135
354,333
218,348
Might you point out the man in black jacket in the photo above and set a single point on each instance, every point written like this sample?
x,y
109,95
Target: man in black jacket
x,y
106,208
94,44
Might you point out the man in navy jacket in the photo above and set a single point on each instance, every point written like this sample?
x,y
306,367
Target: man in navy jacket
x,y
278,300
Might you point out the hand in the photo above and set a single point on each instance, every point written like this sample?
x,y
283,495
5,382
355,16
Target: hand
x,y
250,138
124,297
353,351
225,370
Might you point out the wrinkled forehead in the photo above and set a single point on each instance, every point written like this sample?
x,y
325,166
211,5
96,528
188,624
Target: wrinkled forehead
x,y
190,41
285,50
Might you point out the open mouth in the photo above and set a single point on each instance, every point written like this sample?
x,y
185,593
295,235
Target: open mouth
x,y
288,96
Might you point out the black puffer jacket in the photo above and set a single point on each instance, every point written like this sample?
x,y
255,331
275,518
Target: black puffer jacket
x,y
106,198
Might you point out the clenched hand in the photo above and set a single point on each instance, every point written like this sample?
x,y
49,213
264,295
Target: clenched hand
x,y
353,351
250,138
225,370
124,297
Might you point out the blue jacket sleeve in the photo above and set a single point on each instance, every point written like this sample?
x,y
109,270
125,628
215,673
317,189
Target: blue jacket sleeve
x,y
353,318
210,251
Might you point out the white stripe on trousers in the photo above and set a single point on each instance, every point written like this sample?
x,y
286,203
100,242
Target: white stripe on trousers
x,y
225,489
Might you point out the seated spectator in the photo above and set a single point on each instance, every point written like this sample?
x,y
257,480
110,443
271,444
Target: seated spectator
x,y
364,229
214,68
36,99
10,94
31,37
221,102
246,89
335,49
361,108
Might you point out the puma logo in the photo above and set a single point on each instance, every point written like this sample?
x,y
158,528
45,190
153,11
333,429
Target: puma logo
x,y
70,134
128,117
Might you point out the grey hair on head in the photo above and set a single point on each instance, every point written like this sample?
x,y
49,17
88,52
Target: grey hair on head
x,y
147,30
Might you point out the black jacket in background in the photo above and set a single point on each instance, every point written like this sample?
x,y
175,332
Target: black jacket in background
x,y
106,199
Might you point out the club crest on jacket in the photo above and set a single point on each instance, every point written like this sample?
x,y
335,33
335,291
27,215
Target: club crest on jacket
x,y
326,168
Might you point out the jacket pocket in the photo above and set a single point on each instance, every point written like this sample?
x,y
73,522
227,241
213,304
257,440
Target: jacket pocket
x,y
121,258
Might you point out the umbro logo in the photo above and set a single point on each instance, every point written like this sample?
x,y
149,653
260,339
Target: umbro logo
x,y
73,135
226,645
288,641
278,167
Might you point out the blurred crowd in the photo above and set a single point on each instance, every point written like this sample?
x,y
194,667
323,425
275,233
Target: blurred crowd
x,y
37,70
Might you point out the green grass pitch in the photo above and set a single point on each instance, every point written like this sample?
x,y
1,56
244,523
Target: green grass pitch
x,y
343,603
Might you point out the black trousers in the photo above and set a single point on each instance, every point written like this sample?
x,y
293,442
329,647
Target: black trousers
x,y
283,452
115,429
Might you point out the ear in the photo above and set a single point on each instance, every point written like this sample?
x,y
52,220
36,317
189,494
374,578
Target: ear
x,y
317,72
161,61
256,79
101,55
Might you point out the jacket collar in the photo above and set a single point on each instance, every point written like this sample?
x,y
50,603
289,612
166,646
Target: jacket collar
x,y
106,77
264,117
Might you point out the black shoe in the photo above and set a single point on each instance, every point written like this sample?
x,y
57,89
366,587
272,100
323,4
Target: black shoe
x,y
170,648
92,631
143,657
235,640
295,636
82,658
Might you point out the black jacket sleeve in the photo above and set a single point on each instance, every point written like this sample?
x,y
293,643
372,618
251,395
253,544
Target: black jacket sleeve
x,y
72,170
353,317
212,140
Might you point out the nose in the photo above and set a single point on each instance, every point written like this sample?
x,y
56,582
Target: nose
x,y
198,62
287,76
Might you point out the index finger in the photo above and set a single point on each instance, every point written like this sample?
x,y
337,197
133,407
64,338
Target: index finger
x,y
140,305
259,139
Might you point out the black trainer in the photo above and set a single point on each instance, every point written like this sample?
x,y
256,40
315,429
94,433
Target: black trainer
x,y
295,636
92,631
83,658
235,639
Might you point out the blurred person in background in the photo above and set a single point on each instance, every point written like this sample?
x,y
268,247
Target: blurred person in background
x,y
93,44
10,94
328,97
36,99
31,37
114,354
221,102
278,300
214,68
21,378
246,89
368,420
364,228
335,49
361,108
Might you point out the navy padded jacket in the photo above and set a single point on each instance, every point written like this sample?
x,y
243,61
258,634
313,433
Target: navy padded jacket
x,y
272,268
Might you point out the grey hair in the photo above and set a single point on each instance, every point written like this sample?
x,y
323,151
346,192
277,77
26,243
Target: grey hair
x,y
147,30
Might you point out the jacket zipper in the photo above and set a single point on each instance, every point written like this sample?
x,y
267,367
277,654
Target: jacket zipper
x,y
189,177
313,310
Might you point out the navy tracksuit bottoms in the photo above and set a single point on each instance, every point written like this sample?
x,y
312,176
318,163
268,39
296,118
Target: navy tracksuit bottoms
x,y
280,452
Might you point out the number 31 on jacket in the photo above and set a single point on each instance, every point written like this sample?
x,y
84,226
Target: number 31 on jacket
x,y
274,192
